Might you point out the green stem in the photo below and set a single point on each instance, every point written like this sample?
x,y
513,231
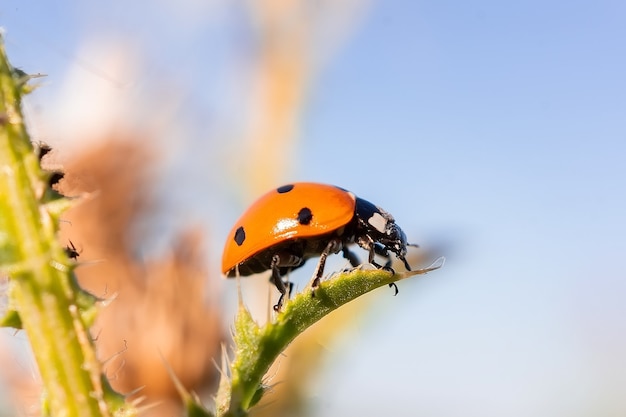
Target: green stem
x,y
258,347
43,291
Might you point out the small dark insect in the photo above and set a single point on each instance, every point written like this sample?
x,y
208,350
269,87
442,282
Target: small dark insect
x,y
71,251
44,149
55,178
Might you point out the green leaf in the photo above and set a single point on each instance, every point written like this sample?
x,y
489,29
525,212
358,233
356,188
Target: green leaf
x,y
256,348
11,319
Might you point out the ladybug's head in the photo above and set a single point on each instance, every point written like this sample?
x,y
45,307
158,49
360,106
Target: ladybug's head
x,y
382,230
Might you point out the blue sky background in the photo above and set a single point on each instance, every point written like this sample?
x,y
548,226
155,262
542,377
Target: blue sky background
x,y
497,129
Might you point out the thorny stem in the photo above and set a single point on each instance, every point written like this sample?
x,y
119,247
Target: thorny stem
x,y
43,292
258,347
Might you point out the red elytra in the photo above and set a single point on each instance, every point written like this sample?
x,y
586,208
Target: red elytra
x,y
295,222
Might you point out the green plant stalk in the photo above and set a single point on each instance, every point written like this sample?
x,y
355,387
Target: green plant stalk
x,y
258,347
42,291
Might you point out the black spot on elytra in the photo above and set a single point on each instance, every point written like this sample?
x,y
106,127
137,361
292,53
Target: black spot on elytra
x,y
285,189
240,236
305,216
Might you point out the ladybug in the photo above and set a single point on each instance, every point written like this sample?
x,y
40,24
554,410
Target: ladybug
x,y
298,221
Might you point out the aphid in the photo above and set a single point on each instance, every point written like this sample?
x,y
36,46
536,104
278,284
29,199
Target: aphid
x,y
71,251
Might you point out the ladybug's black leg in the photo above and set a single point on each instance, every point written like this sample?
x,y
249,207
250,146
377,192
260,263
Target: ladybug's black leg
x,y
387,267
290,288
378,249
406,264
278,261
382,251
278,282
368,245
351,257
333,246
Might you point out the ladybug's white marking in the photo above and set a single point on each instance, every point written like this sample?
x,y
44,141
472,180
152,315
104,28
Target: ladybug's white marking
x,y
285,224
378,222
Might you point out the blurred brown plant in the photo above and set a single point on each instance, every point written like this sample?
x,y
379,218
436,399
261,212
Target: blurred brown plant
x,y
159,313
162,307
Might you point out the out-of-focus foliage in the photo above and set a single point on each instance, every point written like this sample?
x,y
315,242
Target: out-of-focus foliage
x,y
158,314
